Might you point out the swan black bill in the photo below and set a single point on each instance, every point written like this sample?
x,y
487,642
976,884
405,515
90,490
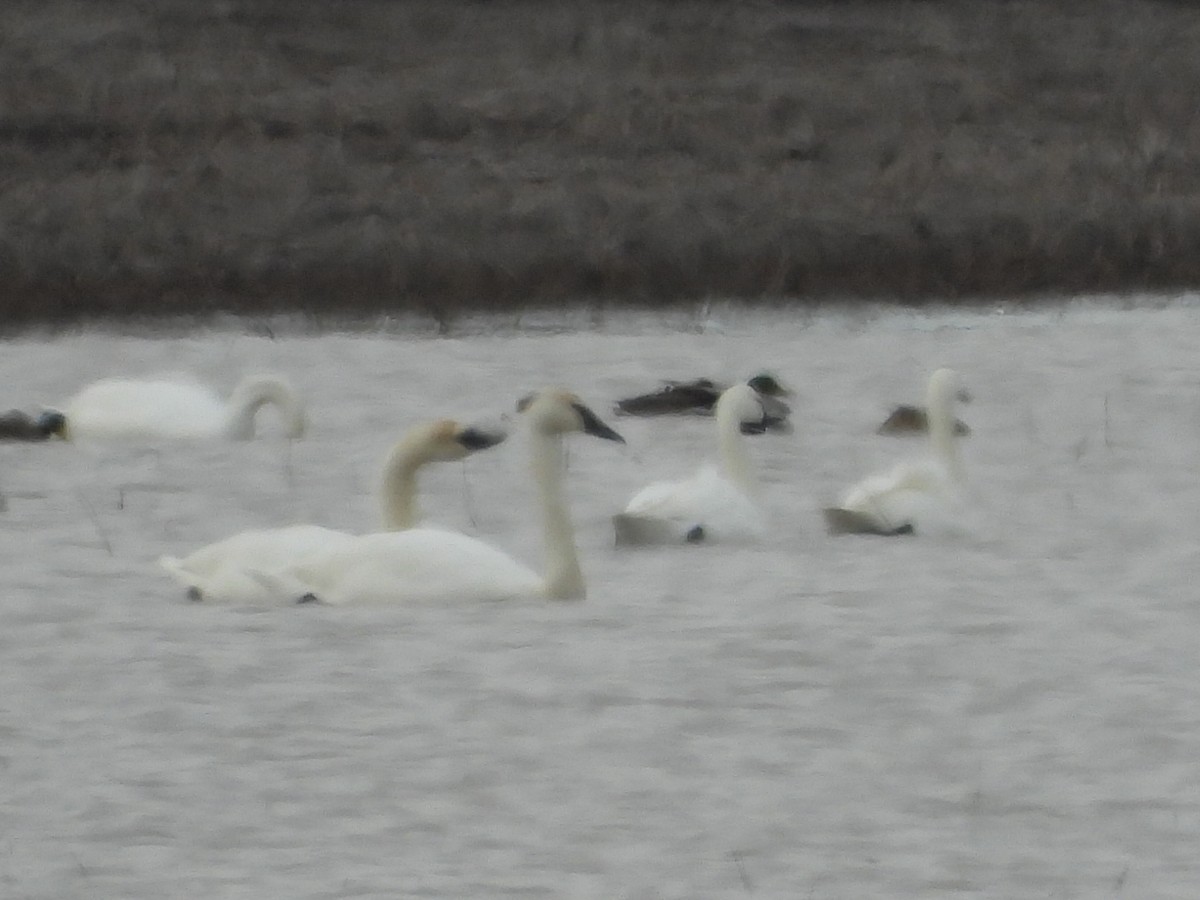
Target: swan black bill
x,y
478,439
593,426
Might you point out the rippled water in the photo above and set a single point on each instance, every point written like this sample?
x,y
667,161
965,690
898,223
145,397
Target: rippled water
x,y
1009,713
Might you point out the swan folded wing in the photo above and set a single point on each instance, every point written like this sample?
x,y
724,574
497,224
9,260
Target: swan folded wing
x,y
421,565
228,570
896,502
670,511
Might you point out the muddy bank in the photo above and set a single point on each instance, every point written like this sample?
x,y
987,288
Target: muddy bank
x,y
366,156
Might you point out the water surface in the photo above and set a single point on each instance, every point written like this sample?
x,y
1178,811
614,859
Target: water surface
x,y
1011,712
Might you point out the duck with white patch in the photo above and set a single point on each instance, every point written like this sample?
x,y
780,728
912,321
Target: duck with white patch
x,y
699,398
18,425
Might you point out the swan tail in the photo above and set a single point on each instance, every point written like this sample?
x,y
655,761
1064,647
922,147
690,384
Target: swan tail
x,y
177,569
640,531
839,520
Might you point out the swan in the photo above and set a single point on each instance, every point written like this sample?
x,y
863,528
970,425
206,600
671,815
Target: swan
x,y
224,571
431,565
716,504
443,440
699,397
912,495
16,425
115,408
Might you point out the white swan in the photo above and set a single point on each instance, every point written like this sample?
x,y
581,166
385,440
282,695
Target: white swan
x,y
913,496
441,441
122,408
716,504
225,571
430,565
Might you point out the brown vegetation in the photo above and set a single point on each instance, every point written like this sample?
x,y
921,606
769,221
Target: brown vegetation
x,y
353,156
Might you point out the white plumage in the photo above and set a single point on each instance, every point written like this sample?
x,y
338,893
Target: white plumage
x,y
129,409
230,570
913,497
718,503
428,565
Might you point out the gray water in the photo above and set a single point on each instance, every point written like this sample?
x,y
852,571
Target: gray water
x,y
1010,712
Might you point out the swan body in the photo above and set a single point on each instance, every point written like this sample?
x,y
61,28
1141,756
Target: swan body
x,y
699,398
912,497
225,571
121,408
229,570
16,425
717,503
430,565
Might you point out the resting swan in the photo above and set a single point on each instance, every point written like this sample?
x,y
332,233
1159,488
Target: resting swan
x,y
121,408
716,504
224,571
913,495
430,565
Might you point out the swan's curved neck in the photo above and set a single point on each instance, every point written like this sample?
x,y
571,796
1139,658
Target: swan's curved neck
x,y
399,490
942,437
731,444
252,395
563,578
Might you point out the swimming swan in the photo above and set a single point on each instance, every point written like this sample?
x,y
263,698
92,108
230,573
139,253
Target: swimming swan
x,y
430,565
912,495
121,408
224,571
716,504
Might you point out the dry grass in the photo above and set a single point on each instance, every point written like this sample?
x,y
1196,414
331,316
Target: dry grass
x,y
165,157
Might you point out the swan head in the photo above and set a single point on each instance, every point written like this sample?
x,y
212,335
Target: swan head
x,y
52,423
448,441
561,412
945,387
743,404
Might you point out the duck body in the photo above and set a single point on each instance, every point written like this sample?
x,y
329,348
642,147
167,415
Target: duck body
x,y
17,425
130,409
699,398
913,420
